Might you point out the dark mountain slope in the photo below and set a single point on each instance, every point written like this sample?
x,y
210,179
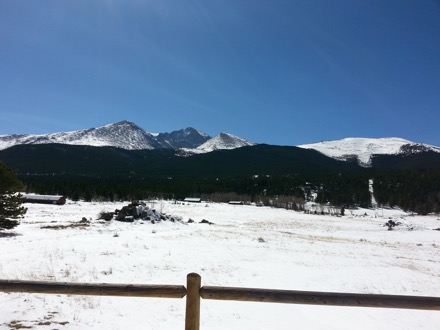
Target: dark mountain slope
x,y
62,159
422,160
265,159
108,161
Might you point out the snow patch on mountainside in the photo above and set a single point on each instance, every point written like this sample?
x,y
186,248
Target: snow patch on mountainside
x,y
363,149
224,141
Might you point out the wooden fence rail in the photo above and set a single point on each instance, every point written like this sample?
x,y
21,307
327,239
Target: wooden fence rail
x,y
321,298
122,290
194,292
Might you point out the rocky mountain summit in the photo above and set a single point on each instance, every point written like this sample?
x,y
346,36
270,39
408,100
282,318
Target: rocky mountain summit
x,y
129,136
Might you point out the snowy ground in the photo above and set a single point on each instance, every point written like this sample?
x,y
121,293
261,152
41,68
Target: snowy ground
x,y
247,246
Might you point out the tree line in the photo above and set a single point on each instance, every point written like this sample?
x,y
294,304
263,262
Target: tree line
x,y
412,190
417,190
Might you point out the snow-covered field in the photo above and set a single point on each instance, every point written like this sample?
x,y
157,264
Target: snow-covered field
x,y
247,246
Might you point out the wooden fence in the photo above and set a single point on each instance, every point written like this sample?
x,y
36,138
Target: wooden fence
x,y
194,292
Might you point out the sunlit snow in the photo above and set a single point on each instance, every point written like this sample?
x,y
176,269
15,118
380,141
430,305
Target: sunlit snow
x,y
362,148
246,246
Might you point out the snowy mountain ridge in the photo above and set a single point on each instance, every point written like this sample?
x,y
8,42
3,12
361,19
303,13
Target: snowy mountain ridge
x,y
123,134
127,135
363,149
224,141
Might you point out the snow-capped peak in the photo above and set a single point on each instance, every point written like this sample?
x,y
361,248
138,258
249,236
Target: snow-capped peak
x,y
363,149
184,138
122,123
123,134
224,141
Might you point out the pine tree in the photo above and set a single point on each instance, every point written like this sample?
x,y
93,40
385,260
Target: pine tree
x,y
10,200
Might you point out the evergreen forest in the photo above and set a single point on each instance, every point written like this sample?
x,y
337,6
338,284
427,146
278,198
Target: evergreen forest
x,y
271,175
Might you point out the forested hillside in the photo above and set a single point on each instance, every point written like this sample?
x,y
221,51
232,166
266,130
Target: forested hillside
x,y
257,173
417,191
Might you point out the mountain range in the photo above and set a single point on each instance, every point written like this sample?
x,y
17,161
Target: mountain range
x,y
126,135
129,136
122,161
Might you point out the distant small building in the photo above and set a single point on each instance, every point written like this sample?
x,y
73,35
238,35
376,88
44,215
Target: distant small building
x,y
192,200
44,199
236,202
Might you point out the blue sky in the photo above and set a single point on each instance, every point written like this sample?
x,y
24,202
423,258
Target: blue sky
x,y
278,72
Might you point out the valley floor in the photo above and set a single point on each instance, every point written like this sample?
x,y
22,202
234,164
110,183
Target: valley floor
x,y
246,246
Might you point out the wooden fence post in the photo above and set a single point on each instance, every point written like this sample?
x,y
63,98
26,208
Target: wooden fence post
x,y
192,319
